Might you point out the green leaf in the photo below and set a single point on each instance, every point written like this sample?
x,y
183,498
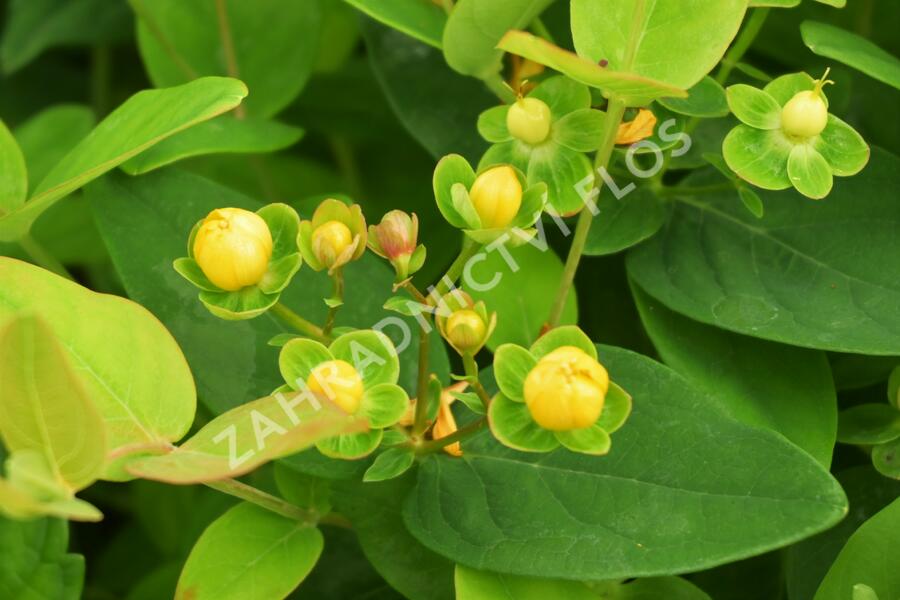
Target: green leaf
x,y
751,201
246,437
374,509
773,278
35,561
518,293
484,585
45,407
623,222
754,107
426,94
511,366
807,563
118,348
226,134
391,463
844,149
143,120
624,503
758,156
33,26
13,176
249,553
868,557
49,135
706,100
579,130
651,588
634,89
654,39
853,50
474,28
809,172
180,41
422,20
232,362
759,383
868,424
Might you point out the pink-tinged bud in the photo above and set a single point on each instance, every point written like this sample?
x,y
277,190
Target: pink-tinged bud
x,y
397,234
395,239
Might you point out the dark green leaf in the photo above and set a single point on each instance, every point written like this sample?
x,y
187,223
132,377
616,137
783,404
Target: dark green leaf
x,y
853,50
35,563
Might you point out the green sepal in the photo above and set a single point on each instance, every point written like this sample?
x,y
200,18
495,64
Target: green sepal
x,y
304,243
450,170
351,446
280,273
580,130
616,409
371,353
471,400
751,200
893,387
280,339
463,206
512,425
809,172
787,86
243,304
589,440
562,95
754,107
284,224
758,157
534,200
492,124
843,148
404,305
189,269
512,364
391,463
569,335
561,169
299,357
706,100
384,405
868,424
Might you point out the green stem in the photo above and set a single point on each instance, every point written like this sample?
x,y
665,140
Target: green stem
x,y
471,369
248,493
614,113
457,436
101,70
43,257
338,278
299,323
469,249
421,416
742,44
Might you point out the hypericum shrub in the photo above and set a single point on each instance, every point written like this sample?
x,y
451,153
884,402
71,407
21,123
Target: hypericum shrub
x,y
459,409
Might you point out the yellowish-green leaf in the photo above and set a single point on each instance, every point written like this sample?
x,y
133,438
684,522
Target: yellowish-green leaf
x,y
44,406
636,90
249,553
143,120
131,368
246,437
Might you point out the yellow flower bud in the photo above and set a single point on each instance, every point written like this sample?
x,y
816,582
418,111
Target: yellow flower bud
x,y
233,247
806,114
528,119
566,390
496,196
330,240
338,381
465,330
